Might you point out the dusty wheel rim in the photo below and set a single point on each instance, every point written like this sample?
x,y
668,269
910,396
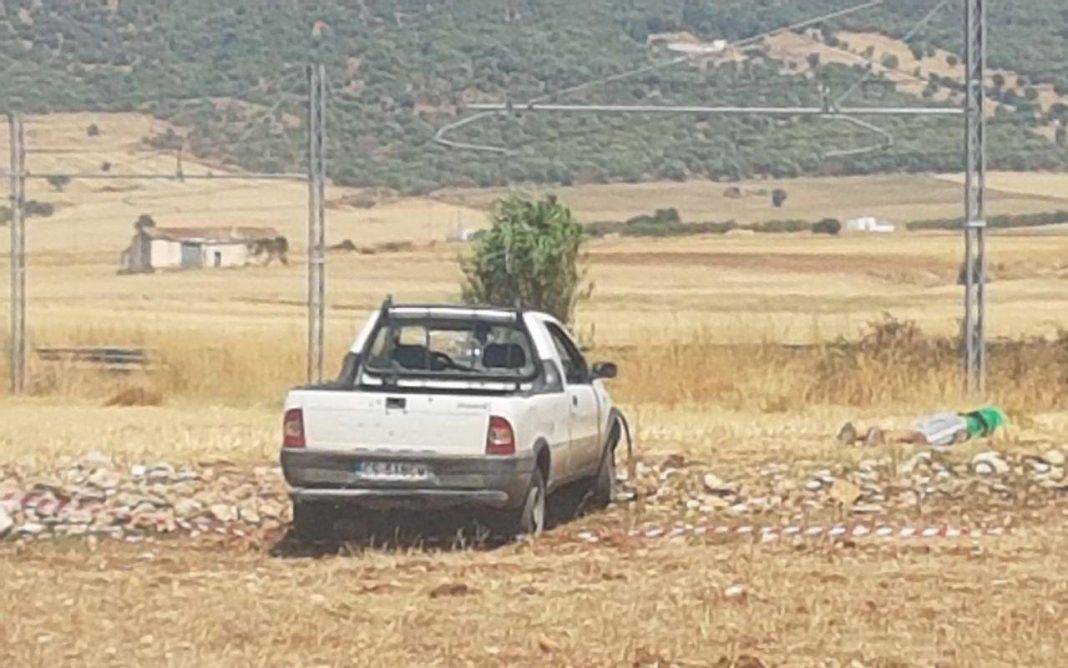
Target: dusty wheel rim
x,y
536,510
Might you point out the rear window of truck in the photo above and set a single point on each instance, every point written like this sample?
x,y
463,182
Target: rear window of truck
x,y
467,348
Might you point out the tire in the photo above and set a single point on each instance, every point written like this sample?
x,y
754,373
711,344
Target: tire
x,y
531,519
313,521
604,485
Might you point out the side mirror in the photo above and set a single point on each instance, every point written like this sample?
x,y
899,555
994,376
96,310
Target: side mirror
x,y
605,370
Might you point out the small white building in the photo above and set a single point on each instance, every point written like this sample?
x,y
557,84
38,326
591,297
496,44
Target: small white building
x,y
198,247
869,225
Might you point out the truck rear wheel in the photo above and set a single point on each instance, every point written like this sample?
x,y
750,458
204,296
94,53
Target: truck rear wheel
x,y
313,521
530,519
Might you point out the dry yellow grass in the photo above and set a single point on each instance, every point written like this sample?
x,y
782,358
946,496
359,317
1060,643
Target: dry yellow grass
x,y
1002,602
898,198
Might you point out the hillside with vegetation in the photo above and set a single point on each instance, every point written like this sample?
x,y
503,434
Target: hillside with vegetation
x,y
227,76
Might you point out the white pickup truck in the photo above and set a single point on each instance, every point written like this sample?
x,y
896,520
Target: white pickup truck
x,y
447,406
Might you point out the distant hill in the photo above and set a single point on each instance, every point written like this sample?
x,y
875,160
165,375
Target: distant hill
x,y
227,75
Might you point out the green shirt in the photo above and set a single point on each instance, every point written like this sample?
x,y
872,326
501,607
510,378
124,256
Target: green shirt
x,y
984,421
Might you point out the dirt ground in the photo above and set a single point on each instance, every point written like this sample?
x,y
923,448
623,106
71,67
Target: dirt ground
x,y
998,602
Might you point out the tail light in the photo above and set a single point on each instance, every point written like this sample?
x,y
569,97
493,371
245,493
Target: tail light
x,y
293,429
500,439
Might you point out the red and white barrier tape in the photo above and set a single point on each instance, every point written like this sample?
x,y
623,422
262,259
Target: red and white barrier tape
x,y
770,534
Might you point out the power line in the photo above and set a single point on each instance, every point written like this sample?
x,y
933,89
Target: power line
x,y
922,23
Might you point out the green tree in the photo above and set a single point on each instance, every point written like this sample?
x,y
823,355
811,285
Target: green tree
x,y
530,255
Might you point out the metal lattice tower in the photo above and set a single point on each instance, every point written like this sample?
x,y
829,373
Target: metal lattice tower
x,y
974,334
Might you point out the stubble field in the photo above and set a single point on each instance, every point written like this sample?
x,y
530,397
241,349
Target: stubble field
x,y
724,345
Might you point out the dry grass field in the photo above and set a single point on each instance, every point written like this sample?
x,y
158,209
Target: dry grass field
x,y
698,325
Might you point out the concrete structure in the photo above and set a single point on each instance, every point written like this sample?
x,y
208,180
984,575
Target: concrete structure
x,y
869,225
197,247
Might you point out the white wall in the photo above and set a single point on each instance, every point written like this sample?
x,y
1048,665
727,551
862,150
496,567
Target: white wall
x,y
166,254
230,255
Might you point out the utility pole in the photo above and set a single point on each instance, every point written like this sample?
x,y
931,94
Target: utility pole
x,y
18,256
974,335
316,220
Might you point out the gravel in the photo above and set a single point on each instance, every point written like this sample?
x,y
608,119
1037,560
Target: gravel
x,y
94,496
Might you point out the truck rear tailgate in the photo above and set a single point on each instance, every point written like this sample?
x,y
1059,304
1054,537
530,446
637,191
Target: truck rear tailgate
x,y
402,423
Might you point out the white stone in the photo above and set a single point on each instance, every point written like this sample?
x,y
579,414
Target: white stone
x,y
187,507
5,522
31,528
223,512
714,485
1054,457
735,591
989,463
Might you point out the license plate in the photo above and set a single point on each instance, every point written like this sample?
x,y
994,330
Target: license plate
x,y
392,471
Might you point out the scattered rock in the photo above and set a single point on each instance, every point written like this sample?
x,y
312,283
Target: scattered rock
x,y
845,493
716,486
989,463
5,522
223,512
187,508
736,592
1054,457
867,509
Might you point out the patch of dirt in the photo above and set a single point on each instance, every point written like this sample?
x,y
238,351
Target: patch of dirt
x,y
136,396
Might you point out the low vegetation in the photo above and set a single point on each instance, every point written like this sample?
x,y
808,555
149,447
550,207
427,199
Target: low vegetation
x,y
1003,221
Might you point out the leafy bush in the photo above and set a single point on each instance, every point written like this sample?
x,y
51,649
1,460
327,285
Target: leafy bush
x,y
781,226
530,256
831,226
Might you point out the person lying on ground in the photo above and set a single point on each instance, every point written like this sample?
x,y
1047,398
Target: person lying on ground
x,y
940,430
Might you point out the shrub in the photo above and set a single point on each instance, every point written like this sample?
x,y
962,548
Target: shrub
x,y
781,226
530,256
58,182
995,222
778,197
